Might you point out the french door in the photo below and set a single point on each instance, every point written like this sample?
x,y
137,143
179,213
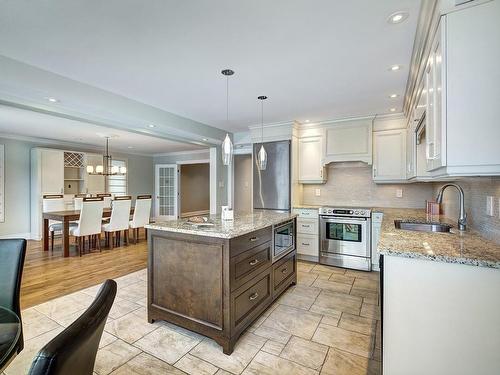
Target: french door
x,y
166,191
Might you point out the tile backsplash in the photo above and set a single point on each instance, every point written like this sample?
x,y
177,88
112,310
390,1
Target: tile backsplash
x,y
351,184
476,191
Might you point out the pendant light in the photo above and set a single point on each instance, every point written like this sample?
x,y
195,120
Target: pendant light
x,y
227,145
262,154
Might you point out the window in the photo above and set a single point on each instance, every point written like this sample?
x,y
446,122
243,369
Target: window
x,y
117,185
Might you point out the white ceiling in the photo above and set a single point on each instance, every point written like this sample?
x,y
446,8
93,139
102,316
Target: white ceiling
x,y
315,60
30,124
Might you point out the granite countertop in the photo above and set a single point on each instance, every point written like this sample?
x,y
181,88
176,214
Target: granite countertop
x,y
242,224
467,247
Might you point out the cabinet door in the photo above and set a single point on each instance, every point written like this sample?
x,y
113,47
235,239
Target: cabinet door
x,y
389,155
52,168
310,160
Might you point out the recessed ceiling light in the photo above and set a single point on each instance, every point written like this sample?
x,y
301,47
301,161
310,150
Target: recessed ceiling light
x,y
392,109
130,146
204,139
397,17
395,68
151,126
392,96
307,120
52,100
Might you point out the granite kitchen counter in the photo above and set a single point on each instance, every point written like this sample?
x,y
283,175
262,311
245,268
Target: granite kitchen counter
x,y
242,224
467,247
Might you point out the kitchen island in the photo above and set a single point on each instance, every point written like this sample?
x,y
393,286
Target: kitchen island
x,y
218,278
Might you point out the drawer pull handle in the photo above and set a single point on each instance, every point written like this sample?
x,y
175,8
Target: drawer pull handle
x,y
253,239
284,270
305,244
253,262
253,296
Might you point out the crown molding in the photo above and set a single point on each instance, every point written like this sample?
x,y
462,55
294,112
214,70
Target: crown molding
x,y
176,153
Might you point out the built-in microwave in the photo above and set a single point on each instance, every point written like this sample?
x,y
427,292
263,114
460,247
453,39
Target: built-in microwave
x,y
283,239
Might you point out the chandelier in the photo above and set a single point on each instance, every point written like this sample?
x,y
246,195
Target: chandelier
x,y
107,168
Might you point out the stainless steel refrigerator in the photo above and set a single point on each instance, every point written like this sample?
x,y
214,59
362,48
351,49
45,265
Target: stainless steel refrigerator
x,y
271,187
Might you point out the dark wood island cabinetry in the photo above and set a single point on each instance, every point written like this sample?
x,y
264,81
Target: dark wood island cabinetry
x,y
217,280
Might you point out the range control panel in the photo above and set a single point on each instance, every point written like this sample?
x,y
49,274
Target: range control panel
x,y
348,212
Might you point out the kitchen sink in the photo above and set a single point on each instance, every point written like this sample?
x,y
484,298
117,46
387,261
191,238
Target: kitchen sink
x,y
423,226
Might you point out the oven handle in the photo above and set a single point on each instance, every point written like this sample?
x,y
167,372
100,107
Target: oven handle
x,y
342,220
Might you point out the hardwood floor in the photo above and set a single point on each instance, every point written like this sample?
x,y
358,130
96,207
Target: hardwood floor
x,y
48,275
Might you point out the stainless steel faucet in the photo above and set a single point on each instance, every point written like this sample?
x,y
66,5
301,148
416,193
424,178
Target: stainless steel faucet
x,y
462,220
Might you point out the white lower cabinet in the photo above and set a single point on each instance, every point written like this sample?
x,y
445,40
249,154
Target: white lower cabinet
x,y
307,233
376,227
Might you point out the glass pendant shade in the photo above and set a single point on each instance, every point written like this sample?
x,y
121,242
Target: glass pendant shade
x,y
99,169
123,170
262,158
90,169
114,169
227,150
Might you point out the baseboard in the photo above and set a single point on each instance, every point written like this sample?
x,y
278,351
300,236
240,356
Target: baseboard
x,y
16,235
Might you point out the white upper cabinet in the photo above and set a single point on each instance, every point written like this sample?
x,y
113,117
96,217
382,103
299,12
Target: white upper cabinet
x,y
52,171
349,141
311,169
389,155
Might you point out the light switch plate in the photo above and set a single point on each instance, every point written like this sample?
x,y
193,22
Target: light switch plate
x,y
489,206
399,193
318,192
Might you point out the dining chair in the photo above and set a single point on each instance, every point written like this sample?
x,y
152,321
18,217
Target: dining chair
x,y
89,223
119,220
51,203
12,255
107,199
74,350
78,203
141,215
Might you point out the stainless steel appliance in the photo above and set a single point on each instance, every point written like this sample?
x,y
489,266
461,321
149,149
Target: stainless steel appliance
x,y
345,237
271,187
283,238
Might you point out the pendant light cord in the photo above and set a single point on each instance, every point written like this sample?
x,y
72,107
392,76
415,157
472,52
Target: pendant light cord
x,y
262,122
227,99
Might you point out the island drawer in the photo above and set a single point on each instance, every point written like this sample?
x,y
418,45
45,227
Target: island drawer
x,y
246,265
250,299
283,269
247,241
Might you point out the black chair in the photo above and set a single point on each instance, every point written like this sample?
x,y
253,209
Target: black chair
x,y
73,351
12,254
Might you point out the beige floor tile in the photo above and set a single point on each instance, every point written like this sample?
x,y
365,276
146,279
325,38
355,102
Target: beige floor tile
x,y
330,320
339,302
60,308
130,327
321,275
305,266
339,363
166,344
273,347
185,332
306,278
327,311
243,353
114,355
222,372
22,363
370,311
357,323
369,296
377,354
293,321
324,268
304,290
364,275
332,286
35,324
340,278
195,366
106,339
342,339
133,292
268,364
127,280
273,334
121,308
305,352
297,300
378,336
145,364
366,284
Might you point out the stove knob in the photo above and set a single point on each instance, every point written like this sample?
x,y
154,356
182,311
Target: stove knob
x,y
356,212
361,212
329,211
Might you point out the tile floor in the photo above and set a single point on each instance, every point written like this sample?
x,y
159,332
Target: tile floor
x,y
327,324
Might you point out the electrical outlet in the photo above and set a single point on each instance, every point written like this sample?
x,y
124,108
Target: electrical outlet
x,y
399,193
318,192
489,206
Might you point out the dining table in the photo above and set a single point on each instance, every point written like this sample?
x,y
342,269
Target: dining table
x,y
65,217
10,329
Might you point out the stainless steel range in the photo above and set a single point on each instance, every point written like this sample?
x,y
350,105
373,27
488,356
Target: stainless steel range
x,y
345,237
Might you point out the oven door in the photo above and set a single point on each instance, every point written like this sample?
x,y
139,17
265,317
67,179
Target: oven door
x,y
345,236
284,239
